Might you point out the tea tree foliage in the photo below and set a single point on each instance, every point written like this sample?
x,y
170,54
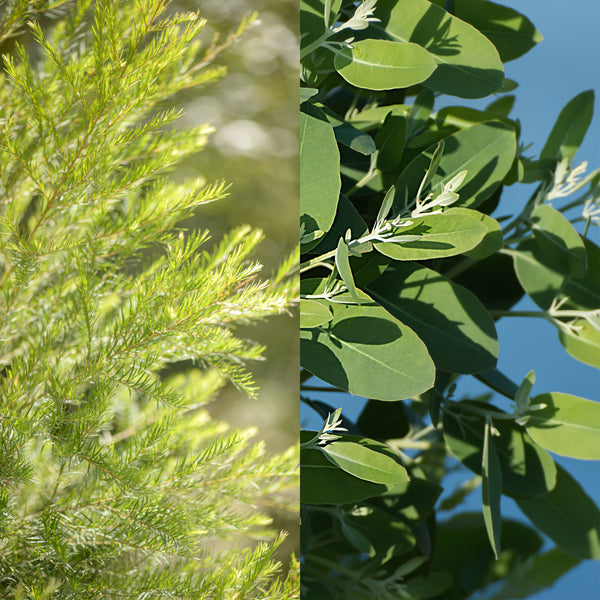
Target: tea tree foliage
x,y
408,260
114,482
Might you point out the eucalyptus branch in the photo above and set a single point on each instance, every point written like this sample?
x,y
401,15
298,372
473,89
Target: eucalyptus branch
x,y
384,232
363,15
554,314
327,434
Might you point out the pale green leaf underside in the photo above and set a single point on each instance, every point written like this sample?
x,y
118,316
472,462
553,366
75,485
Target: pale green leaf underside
x,y
569,426
313,313
384,65
365,463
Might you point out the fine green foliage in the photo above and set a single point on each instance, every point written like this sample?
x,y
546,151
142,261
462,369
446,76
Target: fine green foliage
x,y
118,325
406,266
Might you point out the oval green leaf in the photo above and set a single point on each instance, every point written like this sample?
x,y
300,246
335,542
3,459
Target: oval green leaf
x,y
365,351
468,63
559,241
567,515
512,33
441,235
313,313
390,141
384,65
319,172
492,241
570,128
527,469
458,331
541,283
569,425
584,343
364,462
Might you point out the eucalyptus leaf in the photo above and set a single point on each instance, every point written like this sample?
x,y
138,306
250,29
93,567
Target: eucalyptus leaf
x,y
527,469
540,278
457,330
536,574
492,280
463,549
364,462
419,112
307,93
570,128
491,242
567,515
502,106
497,381
322,482
584,292
365,351
347,134
486,151
583,343
542,283
468,64
412,500
312,23
346,217
428,587
390,140
463,117
383,421
384,531
384,65
319,171
569,425
357,539
522,398
512,33
558,241
368,267
386,206
313,313
491,490
440,235
342,264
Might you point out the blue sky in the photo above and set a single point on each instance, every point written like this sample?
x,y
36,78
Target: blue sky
x,y
564,64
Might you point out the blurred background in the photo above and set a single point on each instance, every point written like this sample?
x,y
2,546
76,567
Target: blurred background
x,y
254,111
